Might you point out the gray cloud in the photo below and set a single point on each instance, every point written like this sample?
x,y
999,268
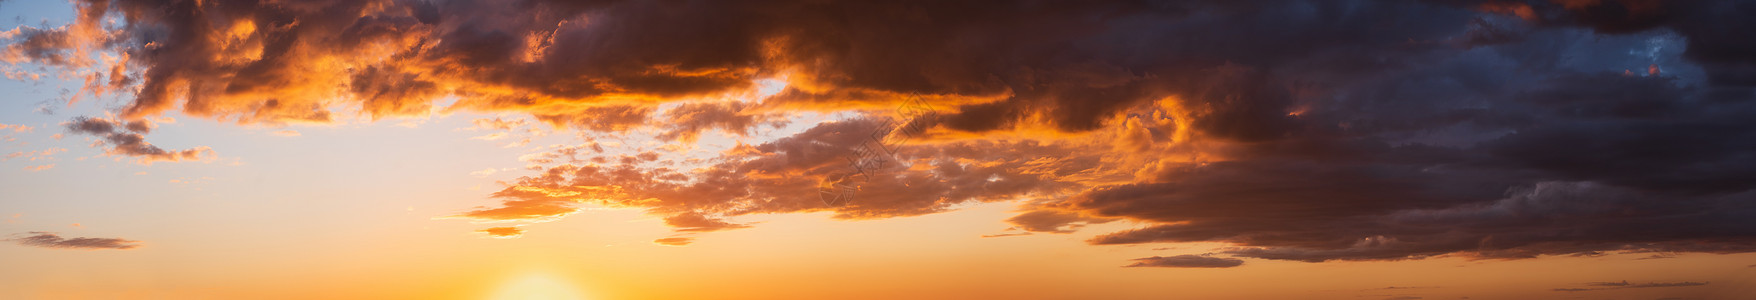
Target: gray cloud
x,y
52,240
1186,261
129,139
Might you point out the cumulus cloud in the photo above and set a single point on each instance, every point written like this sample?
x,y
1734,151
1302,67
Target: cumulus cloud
x,y
1186,261
55,241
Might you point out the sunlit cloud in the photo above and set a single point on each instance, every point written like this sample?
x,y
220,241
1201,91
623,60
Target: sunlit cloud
x,y
503,232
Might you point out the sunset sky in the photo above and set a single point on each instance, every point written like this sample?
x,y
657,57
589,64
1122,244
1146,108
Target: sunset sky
x,y
813,149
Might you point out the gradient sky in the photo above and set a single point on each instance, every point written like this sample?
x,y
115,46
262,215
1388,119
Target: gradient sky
x,y
802,149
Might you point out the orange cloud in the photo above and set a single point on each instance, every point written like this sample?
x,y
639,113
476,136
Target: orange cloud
x,y
674,241
16,128
503,232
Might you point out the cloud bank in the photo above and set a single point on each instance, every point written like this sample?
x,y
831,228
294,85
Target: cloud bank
x,y
1291,130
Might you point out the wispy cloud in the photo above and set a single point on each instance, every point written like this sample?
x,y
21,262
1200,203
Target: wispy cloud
x,y
1187,261
503,232
16,128
674,241
128,139
52,240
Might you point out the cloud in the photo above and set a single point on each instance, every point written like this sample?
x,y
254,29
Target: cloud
x,y
1658,256
503,232
484,172
674,241
497,124
687,121
1006,234
128,139
39,167
539,210
52,240
1053,221
783,176
45,154
695,222
16,128
1186,261
285,133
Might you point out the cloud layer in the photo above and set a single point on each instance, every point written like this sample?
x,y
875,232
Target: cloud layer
x,y
1290,130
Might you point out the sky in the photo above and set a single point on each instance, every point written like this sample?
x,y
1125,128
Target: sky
x,y
802,149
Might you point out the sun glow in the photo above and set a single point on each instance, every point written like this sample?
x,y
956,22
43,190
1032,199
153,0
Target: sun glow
x,y
537,286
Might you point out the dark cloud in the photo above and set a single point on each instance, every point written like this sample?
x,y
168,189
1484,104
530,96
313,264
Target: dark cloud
x,y
1186,261
1658,256
1053,221
128,139
52,240
1623,283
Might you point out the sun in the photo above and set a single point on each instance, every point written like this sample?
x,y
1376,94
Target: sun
x,y
537,286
